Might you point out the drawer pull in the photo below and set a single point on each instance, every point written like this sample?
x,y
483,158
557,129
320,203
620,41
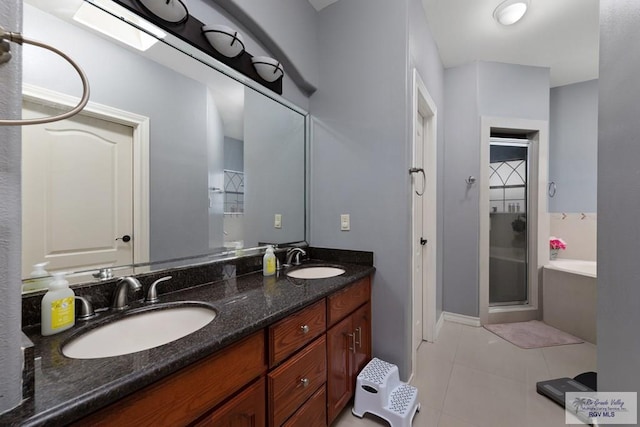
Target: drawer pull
x,y
353,342
304,329
304,382
359,339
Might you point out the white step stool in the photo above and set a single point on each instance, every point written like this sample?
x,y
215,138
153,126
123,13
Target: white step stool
x,y
380,392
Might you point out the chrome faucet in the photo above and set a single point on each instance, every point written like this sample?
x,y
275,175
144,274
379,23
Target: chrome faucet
x,y
291,253
85,311
152,294
120,296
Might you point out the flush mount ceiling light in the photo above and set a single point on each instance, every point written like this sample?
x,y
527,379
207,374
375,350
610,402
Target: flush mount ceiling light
x,y
511,11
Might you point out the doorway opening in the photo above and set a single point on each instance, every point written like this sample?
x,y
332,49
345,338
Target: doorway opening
x,y
423,174
514,223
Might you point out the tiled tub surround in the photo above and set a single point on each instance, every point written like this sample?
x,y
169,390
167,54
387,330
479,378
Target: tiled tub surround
x,y
68,389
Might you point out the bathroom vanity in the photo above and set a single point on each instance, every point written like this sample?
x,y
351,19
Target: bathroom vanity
x,y
281,351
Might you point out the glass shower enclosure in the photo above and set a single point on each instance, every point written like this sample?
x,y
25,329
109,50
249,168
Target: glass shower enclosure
x,y
509,202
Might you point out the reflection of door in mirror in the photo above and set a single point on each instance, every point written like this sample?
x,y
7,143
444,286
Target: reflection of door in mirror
x,y
77,192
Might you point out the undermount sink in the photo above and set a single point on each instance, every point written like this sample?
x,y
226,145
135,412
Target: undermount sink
x,y
315,272
141,330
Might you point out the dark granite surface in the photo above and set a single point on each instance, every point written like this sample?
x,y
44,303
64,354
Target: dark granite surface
x,y
67,389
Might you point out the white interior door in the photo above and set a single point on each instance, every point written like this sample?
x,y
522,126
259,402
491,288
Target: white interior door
x,y
77,192
418,237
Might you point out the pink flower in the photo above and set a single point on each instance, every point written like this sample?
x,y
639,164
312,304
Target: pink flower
x,y
557,243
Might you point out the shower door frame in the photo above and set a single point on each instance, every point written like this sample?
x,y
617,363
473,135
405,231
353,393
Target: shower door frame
x,y
537,216
522,143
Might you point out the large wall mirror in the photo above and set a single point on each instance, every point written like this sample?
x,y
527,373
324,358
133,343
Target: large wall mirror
x,y
172,159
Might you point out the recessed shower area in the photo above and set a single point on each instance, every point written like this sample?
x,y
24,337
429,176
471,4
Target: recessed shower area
x,y
508,231
514,222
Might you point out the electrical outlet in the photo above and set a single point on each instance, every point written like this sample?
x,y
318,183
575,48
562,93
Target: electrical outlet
x,y
277,222
345,222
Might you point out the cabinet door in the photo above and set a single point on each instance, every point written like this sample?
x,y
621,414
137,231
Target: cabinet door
x,y
340,340
247,409
362,328
313,413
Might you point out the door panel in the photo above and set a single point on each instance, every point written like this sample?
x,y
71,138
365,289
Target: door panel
x,y
339,384
77,192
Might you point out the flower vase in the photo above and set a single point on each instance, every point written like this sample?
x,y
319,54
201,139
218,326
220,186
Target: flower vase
x,y
553,254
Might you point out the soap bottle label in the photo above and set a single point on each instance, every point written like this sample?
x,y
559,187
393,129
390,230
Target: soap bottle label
x,y
62,312
271,265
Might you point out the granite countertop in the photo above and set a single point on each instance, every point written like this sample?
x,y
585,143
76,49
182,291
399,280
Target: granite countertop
x,y
68,389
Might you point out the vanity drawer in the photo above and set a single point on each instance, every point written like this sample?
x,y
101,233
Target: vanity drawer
x,y
313,413
343,302
292,333
292,383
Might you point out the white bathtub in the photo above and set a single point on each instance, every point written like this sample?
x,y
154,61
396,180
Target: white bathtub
x,y
577,266
569,297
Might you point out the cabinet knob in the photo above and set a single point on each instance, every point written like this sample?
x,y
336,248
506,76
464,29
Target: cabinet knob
x,y
304,382
304,329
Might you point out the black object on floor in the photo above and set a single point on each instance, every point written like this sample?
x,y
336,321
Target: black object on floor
x,y
556,389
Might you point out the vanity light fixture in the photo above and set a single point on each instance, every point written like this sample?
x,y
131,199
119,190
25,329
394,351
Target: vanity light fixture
x,y
141,35
510,11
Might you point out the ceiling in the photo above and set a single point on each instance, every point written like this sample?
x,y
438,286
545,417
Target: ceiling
x,y
560,34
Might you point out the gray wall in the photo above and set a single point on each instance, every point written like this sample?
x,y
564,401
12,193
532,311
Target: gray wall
x,y
233,154
472,91
274,141
424,56
618,201
461,159
10,217
178,123
573,147
360,155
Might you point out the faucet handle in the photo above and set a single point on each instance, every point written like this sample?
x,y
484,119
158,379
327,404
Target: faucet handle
x,y
86,308
152,295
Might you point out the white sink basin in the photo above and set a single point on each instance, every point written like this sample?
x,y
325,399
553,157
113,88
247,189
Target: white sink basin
x,y
315,272
140,331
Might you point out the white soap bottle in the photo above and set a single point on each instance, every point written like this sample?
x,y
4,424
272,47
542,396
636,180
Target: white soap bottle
x,y
38,279
58,306
269,262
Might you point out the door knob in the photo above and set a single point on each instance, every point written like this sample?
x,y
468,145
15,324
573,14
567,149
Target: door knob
x,y
124,238
423,241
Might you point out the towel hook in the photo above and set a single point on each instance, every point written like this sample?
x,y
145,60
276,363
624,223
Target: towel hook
x,y
424,180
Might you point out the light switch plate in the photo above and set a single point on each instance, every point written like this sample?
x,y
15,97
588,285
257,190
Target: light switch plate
x,y
345,222
277,222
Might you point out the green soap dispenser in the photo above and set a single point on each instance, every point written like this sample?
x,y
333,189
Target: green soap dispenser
x,y
58,307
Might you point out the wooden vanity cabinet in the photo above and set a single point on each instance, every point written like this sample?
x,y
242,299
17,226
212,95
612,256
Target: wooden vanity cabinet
x,y
348,343
313,356
183,397
247,409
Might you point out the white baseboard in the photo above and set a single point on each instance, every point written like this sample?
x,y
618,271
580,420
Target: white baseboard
x,y
439,324
462,319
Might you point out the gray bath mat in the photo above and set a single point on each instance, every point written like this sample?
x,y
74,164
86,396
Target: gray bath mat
x,y
532,334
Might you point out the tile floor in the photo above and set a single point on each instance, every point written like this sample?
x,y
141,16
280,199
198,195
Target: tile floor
x,y
473,378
